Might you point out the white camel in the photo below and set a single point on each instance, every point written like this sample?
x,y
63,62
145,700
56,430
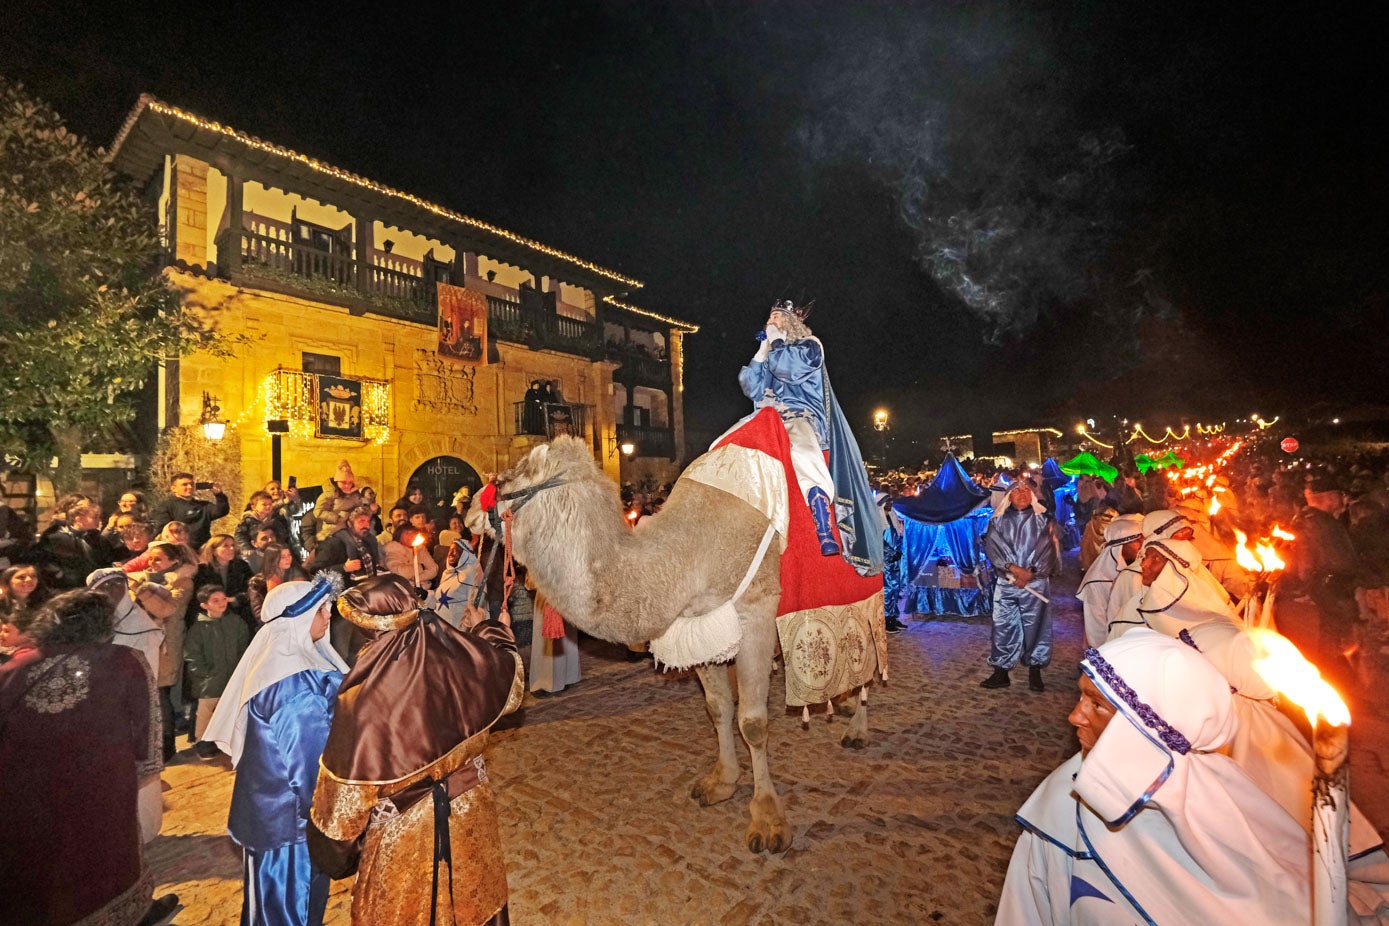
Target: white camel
x,y
626,585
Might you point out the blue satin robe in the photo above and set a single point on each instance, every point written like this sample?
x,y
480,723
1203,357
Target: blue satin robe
x,y
793,380
1021,621
286,730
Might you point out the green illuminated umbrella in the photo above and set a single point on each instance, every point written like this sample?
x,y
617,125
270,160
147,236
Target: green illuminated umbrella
x,y
1087,464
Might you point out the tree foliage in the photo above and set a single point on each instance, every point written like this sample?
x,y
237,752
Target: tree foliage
x,y
85,314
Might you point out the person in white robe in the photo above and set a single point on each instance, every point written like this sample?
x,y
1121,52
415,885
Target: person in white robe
x,y
1218,555
1123,538
1275,754
1174,595
1148,823
457,584
554,663
1177,524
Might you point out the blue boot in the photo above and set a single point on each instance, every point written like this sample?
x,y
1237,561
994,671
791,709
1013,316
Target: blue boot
x,y
820,509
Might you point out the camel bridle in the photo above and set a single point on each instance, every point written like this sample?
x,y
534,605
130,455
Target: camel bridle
x,y
501,526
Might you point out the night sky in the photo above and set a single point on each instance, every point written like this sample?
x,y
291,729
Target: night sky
x,y
1005,214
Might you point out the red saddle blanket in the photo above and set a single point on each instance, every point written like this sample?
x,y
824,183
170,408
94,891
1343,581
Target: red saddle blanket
x,y
830,618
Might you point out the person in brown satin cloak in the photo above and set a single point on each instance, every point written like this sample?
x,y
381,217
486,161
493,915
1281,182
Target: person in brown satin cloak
x,y
403,797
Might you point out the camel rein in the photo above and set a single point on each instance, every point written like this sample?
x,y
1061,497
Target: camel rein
x,y
501,525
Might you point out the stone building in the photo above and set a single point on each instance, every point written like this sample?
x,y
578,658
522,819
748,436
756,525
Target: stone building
x,y
413,340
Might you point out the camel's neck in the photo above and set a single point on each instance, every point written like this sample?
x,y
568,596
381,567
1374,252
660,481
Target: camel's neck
x,y
578,550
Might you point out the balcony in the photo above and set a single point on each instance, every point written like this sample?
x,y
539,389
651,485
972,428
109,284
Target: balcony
x,y
551,419
310,272
649,441
510,320
639,368
269,258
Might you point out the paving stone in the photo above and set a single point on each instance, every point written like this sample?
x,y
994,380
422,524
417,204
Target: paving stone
x,y
593,792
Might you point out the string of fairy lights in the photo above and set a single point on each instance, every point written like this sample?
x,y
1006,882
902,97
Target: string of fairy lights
x,y
292,396
338,173
1169,435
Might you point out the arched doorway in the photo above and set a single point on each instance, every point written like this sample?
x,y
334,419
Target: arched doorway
x,y
441,477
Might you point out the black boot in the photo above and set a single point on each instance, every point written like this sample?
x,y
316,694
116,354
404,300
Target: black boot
x,y
160,911
1034,678
998,680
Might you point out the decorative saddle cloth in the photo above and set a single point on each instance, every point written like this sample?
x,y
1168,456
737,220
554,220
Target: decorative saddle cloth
x,y
830,619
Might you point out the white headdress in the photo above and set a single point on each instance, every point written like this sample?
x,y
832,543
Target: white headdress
x,y
282,648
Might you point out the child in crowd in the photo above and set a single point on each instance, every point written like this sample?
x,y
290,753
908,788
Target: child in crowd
x,y
211,651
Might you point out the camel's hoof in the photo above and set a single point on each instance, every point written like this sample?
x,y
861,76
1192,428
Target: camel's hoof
x,y
773,838
853,742
713,792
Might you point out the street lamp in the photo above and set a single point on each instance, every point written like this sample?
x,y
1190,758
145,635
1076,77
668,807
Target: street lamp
x,y
213,426
880,425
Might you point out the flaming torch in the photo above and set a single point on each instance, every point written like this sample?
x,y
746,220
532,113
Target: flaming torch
x,y
415,550
1288,672
1265,563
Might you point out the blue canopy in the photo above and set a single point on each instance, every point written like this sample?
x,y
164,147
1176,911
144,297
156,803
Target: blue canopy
x,y
949,497
1053,477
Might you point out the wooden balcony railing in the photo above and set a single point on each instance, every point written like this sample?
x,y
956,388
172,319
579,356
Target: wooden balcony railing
x,y
551,419
640,369
302,269
649,441
510,321
269,259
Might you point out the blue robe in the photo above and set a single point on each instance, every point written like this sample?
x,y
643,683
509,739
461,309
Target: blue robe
x,y
793,380
286,729
1021,620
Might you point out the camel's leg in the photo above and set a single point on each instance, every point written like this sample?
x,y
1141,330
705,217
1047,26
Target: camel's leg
x,y
857,735
722,780
769,829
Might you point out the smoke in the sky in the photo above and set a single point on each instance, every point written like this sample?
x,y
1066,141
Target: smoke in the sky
x,y
1016,204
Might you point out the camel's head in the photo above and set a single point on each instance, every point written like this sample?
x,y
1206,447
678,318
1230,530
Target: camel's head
x,y
565,460
575,500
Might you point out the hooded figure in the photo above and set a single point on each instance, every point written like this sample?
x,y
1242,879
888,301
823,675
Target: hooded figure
x,y
1274,753
1218,556
1149,824
403,788
1180,524
1176,595
273,719
1123,533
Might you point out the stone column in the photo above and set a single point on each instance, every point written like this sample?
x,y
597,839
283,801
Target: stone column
x,y
190,235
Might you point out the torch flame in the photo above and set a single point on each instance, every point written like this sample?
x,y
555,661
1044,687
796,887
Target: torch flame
x,y
1272,562
1282,534
1245,556
419,540
1287,671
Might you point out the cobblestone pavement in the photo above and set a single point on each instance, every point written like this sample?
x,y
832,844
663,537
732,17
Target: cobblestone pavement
x,y
599,826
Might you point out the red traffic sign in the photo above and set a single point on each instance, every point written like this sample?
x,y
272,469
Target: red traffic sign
x,y
1289,445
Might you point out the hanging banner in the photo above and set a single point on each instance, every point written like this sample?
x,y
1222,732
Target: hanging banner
x,y
339,408
462,325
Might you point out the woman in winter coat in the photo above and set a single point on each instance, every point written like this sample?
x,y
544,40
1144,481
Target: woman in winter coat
x,y
222,565
165,589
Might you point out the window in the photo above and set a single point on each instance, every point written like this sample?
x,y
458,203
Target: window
x,y
321,363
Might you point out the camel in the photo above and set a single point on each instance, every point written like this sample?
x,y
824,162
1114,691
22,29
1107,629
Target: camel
x,y
625,585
